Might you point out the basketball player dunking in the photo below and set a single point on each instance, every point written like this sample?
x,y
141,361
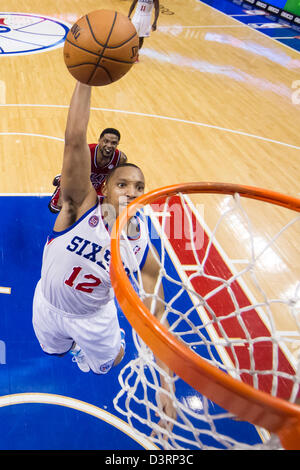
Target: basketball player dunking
x,y
73,305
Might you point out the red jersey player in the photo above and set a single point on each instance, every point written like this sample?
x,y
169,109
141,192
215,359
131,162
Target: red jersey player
x,y
104,157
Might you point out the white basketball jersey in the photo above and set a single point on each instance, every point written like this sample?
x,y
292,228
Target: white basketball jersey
x,y
75,271
144,7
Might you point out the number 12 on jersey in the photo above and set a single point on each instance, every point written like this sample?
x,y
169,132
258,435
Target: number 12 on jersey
x,y
88,287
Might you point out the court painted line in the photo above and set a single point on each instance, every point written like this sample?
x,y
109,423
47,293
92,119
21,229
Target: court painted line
x,y
257,30
46,398
174,26
25,194
5,290
30,134
156,116
285,37
2,92
247,15
189,267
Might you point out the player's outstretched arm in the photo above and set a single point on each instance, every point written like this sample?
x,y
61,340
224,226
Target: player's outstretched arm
x,y
77,191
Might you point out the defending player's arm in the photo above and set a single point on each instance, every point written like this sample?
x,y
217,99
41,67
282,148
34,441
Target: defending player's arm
x,y
150,273
77,192
132,6
156,14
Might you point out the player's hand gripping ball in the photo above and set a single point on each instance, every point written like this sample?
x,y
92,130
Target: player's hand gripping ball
x,y
101,47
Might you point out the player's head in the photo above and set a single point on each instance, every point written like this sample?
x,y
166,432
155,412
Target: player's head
x,y
123,184
108,141
110,130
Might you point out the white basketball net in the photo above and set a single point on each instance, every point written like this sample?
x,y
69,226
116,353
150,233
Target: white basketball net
x,y
266,356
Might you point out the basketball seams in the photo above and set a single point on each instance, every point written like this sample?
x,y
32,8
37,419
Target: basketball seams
x,y
95,54
122,43
107,71
104,47
92,32
109,34
99,66
117,60
81,48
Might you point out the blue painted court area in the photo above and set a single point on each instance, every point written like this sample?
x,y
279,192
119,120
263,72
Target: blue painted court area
x,y
270,25
26,370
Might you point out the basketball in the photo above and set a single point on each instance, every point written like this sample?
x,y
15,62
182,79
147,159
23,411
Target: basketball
x,y
101,47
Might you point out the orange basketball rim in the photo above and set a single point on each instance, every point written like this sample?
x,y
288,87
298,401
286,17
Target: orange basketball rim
x,y
259,408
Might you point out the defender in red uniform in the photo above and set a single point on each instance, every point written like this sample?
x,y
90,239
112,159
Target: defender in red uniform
x,y
104,157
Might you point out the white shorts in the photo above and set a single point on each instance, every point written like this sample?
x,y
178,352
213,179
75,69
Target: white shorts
x,y
97,335
142,24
